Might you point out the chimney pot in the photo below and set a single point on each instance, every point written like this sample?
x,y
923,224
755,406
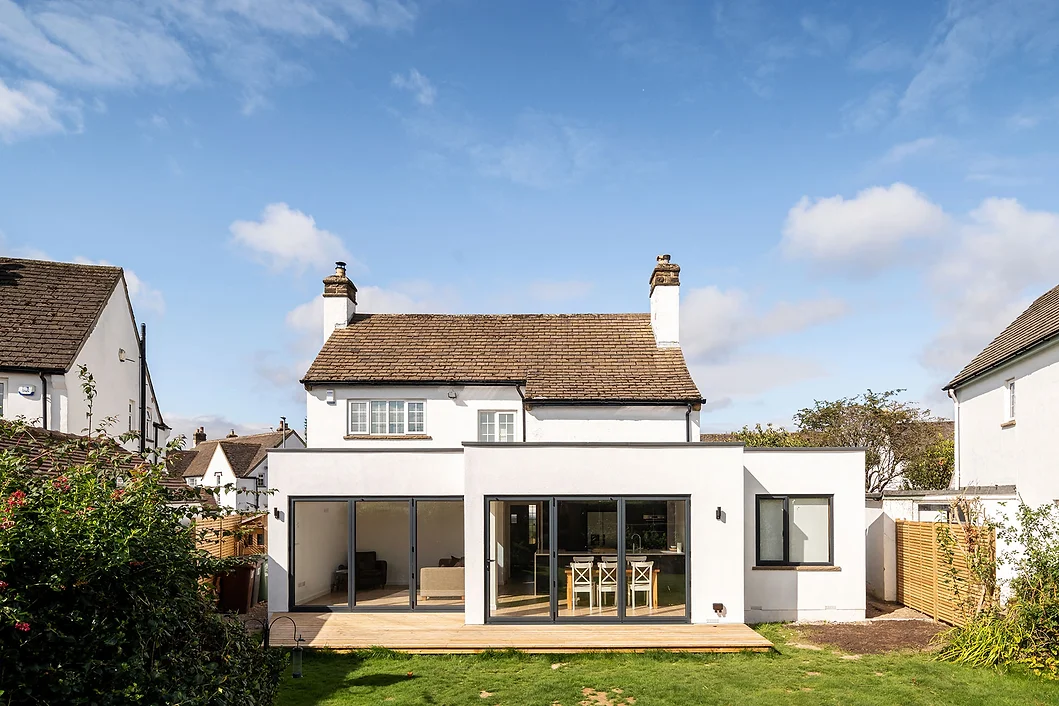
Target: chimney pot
x,y
199,436
232,435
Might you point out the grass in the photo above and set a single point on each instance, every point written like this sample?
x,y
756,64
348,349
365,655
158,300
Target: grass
x,y
794,675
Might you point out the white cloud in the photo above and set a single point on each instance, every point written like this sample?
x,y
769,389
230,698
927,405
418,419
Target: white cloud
x,y
143,296
748,376
287,238
972,37
831,35
126,44
1005,256
715,323
555,291
905,150
882,57
546,151
217,426
34,109
870,230
418,85
870,112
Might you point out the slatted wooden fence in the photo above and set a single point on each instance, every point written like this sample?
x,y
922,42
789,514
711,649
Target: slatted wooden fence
x,y
924,577
234,535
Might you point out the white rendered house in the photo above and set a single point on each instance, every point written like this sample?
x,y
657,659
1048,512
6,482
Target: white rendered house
x,y
57,316
547,468
236,467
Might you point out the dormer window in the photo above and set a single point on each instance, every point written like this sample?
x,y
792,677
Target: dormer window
x,y
387,417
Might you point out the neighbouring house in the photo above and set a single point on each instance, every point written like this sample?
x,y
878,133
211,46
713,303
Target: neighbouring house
x,y
547,469
1005,407
49,452
57,316
236,467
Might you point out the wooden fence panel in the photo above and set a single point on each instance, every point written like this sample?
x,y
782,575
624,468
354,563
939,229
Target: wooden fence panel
x,y
233,535
923,576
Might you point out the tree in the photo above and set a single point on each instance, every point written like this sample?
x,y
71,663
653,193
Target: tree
x,y
931,469
102,597
770,436
892,432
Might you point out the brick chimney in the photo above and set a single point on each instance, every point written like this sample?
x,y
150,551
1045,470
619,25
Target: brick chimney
x,y
232,435
665,303
199,437
340,300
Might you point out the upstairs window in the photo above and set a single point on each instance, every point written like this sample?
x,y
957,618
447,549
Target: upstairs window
x,y
496,426
1009,401
387,417
794,530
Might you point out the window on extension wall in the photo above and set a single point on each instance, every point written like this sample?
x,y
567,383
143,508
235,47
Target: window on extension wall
x,y
387,417
794,530
494,426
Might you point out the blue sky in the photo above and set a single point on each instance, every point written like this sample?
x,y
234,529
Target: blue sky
x,y
858,197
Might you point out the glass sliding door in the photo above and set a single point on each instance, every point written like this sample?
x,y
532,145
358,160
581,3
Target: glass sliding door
x,y
588,573
595,559
519,559
321,554
656,558
382,560
439,554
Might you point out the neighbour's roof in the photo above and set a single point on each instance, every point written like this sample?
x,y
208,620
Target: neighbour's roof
x,y
243,453
48,310
577,357
1038,324
969,491
48,452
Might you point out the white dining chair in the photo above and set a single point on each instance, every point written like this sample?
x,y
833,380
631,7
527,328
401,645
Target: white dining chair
x,y
631,559
581,582
642,572
607,582
584,559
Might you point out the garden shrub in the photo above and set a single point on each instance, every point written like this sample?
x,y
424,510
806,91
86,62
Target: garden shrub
x,y
1025,630
102,597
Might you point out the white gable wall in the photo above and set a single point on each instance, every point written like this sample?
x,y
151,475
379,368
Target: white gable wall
x,y
1023,454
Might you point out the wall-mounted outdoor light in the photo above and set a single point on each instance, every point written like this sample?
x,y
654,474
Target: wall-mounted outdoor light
x,y
330,398
718,513
275,511
452,394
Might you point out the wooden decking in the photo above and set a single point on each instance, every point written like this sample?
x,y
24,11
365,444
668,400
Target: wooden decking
x,y
446,633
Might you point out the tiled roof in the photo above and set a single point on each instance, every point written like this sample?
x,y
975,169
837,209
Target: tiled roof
x,y
243,453
583,357
1039,323
48,309
49,452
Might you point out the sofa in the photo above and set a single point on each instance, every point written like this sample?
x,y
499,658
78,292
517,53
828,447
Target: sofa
x,y
441,582
370,572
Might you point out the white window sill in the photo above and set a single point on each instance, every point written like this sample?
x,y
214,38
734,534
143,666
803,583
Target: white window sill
x,y
387,437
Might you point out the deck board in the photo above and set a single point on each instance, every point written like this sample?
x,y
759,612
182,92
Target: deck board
x,y
446,633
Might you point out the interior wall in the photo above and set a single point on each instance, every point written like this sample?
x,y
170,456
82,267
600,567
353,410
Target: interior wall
x,y
383,527
439,526
321,542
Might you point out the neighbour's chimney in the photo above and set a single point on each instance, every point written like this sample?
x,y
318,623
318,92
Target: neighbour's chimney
x,y
340,300
232,435
199,437
665,303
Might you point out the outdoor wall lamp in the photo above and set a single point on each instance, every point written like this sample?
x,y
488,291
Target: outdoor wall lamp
x,y
275,511
718,512
452,394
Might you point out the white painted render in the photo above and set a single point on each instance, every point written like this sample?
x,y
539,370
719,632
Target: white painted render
x,y
989,452
450,422
780,595
117,382
721,551
665,315
337,313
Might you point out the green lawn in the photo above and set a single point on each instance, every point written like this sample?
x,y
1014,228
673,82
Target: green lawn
x,y
794,676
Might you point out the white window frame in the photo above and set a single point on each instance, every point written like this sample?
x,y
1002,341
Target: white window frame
x,y
395,416
3,395
132,409
494,415
1009,400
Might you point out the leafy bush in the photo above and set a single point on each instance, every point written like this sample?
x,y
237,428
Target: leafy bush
x,y
102,592
1025,630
